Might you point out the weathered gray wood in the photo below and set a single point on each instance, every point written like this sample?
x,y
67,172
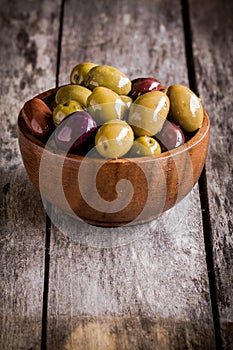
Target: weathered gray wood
x,y
146,273
213,51
144,286
139,39
28,42
22,254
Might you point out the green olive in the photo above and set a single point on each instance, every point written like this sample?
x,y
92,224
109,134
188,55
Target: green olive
x,y
148,113
62,110
104,104
114,139
145,146
108,77
79,72
185,108
72,92
128,100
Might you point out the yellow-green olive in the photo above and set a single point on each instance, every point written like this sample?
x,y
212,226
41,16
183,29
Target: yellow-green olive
x,y
62,110
185,108
145,146
114,139
104,104
128,100
108,77
79,72
148,113
72,92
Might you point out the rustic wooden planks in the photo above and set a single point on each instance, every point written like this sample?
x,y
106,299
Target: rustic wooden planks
x,y
213,52
145,286
28,42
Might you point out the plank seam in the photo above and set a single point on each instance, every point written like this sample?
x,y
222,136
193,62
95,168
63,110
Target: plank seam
x,y
48,209
59,42
46,279
202,183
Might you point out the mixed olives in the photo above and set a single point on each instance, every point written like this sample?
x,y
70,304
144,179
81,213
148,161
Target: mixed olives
x,y
102,108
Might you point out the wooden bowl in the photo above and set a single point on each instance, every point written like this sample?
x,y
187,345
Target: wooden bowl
x,y
113,192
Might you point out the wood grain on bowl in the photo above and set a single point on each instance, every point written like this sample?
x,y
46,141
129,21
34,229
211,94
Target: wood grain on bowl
x,y
96,190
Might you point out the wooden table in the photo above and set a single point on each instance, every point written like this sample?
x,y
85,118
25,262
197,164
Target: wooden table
x,y
162,285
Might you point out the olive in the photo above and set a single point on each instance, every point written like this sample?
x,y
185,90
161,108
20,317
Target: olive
x,y
108,77
104,104
38,117
145,146
72,92
171,135
148,113
127,99
142,85
185,108
75,131
79,72
62,110
114,139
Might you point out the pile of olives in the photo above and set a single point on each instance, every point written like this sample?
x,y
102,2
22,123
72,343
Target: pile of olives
x,y
102,107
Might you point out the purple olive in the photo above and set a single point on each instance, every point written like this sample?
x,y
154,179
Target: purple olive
x,y
171,135
142,85
75,132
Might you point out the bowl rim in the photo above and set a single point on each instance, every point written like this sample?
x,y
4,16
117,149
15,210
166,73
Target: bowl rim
x,y
195,139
